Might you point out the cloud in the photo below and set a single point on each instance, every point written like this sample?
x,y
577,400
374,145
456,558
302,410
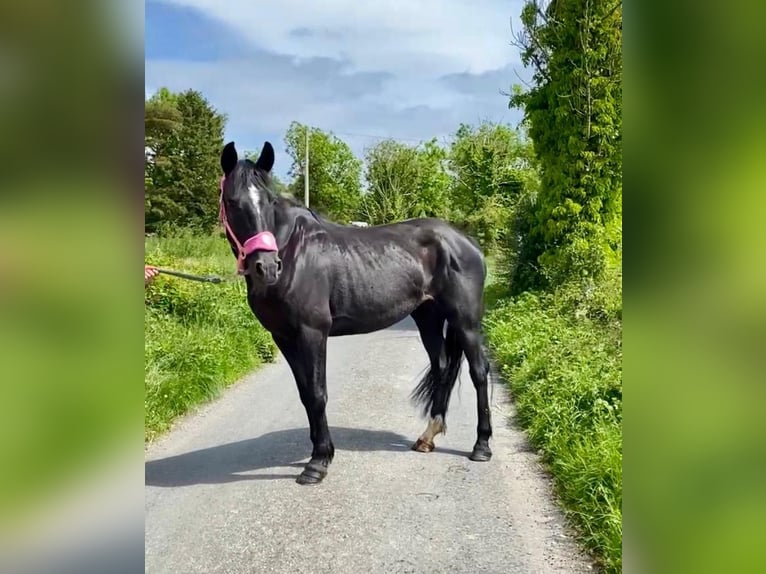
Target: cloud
x,y
400,69
402,36
487,82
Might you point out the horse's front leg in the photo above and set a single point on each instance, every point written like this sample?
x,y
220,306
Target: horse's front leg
x,y
307,355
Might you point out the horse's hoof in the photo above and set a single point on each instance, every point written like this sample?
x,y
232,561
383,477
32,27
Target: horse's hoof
x,y
480,454
423,446
310,476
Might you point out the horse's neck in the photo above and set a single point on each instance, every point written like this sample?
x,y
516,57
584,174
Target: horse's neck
x,y
297,216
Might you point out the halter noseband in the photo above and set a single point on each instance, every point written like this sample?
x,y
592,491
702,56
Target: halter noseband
x,y
263,241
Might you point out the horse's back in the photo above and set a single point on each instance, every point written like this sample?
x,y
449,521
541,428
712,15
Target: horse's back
x,y
464,251
440,229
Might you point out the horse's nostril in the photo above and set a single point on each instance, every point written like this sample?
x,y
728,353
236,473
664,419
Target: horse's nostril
x,y
279,265
259,267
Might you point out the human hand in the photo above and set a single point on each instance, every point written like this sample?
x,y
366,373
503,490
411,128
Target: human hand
x,y
150,272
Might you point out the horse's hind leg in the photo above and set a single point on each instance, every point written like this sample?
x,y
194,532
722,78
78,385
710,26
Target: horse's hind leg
x,y
435,388
470,338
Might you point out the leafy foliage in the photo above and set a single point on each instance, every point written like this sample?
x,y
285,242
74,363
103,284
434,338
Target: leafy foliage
x,y
161,117
334,172
184,137
404,182
492,168
574,113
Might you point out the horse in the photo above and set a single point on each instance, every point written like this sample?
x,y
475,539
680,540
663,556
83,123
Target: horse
x,y
309,278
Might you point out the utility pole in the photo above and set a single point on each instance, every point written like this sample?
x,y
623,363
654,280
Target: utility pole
x,y
306,171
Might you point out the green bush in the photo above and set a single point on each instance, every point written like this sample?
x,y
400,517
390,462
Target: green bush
x,y
489,222
199,337
561,354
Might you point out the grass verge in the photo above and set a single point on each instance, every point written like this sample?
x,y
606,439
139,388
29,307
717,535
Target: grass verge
x,y
561,354
199,338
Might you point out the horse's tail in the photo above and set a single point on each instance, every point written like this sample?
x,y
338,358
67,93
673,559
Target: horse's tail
x,y
432,386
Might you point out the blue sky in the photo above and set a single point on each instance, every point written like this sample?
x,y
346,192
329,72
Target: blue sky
x,y
407,69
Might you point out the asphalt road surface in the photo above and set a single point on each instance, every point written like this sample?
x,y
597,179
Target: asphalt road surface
x,y
221,494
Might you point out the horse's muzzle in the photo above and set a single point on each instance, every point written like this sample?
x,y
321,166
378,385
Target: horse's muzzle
x,y
264,266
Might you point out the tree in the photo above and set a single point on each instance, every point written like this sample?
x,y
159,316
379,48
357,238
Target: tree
x,y
184,137
334,172
493,168
574,113
404,182
162,121
433,183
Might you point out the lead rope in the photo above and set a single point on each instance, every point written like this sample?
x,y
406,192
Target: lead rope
x,y
201,278
215,279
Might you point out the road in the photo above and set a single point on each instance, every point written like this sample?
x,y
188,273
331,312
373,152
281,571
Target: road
x,y
221,493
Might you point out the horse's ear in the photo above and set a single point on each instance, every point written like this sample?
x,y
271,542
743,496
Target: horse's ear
x,y
229,158
266,159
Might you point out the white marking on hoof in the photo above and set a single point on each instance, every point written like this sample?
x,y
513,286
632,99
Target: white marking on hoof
x,y
435,426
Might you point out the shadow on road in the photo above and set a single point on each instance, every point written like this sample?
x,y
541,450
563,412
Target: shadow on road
x,y
284,448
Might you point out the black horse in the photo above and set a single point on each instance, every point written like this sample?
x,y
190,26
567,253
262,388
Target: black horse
x,y
309,279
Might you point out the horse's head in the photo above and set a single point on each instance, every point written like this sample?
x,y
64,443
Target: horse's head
x,y
247,213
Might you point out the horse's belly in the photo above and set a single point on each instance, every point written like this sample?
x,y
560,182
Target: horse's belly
x,y
343,325
377,307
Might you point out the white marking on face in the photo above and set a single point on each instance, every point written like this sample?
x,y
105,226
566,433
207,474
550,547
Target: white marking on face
x,y
254,194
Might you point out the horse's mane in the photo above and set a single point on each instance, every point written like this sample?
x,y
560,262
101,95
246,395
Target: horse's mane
x,y
289,200
265,181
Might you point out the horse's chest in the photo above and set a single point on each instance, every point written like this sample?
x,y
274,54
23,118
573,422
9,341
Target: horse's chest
x,y
285,316
271,314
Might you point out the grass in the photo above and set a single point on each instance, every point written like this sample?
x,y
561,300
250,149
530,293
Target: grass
x,y
561,354
199,338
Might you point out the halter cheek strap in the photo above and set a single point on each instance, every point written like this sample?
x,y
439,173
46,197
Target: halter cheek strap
x,y
263,241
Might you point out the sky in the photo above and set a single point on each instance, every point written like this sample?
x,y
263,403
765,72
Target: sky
x,y
406,69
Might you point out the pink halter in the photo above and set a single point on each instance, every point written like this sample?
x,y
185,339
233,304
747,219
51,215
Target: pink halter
x,y
263,241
